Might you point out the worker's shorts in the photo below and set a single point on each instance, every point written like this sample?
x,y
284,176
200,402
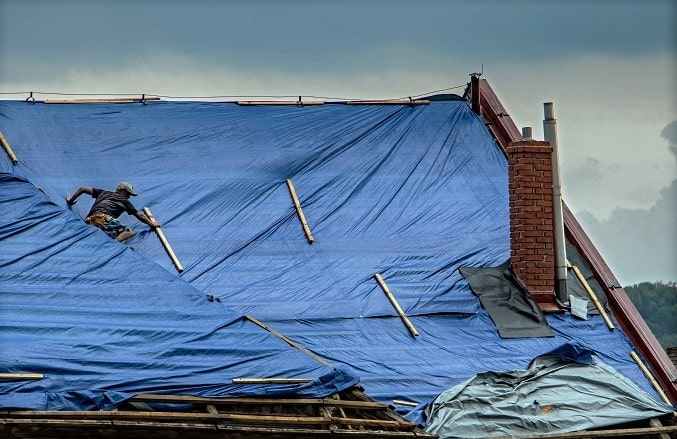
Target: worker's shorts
x,y
111,226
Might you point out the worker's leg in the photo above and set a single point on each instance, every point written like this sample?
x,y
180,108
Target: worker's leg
x,y
124,235
115,229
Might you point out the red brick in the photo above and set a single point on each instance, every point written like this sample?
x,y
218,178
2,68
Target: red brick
x,y
531,224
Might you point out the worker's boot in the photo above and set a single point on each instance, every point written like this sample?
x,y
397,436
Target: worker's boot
x,y
124,235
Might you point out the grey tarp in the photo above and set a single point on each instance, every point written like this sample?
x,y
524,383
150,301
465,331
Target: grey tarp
x,y
554,394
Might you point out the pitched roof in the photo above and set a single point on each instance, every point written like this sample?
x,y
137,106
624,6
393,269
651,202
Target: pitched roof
x,y
410,192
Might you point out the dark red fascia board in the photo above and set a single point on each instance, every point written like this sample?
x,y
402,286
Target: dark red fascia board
x,y
623,309
505,131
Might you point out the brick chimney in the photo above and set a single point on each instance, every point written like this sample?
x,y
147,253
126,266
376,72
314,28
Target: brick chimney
x,y
532,239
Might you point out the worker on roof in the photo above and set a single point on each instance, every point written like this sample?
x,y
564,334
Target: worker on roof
x,y
108,206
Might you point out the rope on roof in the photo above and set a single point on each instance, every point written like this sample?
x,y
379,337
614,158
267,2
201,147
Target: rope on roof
x,y
233,98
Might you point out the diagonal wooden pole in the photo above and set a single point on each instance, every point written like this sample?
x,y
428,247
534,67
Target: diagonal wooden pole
x,y
288,341
592,295
8,149
396,305
647,373
299,212
164,242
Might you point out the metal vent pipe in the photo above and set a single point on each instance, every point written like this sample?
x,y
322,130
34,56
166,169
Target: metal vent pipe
x,y
550,135
527,133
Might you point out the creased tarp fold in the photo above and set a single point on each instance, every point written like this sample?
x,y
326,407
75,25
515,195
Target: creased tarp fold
x,y
562,391
102,323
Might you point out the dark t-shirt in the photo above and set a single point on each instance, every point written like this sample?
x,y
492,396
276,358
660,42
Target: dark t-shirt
x,y
111,203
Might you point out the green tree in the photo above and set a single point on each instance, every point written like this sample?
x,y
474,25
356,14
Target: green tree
x,y
657,303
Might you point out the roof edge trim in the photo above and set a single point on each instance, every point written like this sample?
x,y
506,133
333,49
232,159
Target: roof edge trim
x,y
505,131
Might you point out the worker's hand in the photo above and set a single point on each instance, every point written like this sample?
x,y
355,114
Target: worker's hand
x,y
155,225
70,201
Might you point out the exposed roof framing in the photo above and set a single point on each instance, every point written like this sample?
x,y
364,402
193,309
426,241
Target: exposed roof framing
x,y
350,413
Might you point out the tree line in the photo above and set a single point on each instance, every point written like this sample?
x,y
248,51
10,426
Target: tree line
x,y
657,303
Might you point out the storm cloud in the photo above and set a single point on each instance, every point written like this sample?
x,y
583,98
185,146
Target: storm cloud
x,y
641,244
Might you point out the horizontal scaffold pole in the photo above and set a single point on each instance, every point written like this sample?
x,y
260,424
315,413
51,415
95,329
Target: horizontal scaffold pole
x,y
20,376
129,100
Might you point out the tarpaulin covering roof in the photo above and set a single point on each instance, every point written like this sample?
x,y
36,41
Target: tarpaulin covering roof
x,y
410,192
528,401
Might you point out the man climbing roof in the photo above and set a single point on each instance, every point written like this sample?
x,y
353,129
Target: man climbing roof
x,y
108,206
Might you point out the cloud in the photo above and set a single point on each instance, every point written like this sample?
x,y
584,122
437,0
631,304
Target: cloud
x,y
670,133
587,173
640,244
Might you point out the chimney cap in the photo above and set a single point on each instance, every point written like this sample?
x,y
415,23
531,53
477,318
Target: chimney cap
x,y
549,110
527,133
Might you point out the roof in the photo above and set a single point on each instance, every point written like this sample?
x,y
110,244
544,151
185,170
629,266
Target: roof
x,y
409,192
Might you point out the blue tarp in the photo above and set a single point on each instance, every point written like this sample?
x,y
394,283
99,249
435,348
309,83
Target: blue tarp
x,y
103,323
410,192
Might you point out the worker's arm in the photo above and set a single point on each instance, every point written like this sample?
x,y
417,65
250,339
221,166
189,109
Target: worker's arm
x,y
144,219
81,190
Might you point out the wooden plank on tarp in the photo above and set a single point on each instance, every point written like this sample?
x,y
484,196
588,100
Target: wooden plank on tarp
x,y
396,305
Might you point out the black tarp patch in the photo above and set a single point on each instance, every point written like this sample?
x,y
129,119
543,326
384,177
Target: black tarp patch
x,y
512,309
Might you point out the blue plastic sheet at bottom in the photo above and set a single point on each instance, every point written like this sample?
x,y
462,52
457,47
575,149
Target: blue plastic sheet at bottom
x,y
102,323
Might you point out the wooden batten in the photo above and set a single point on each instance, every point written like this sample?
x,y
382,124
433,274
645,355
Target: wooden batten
x,y
405,403
347,413
225,417
236,401
600,434
288,340
647,373
129,100
8,149
299,212
164,241
20,376
396,305
592,295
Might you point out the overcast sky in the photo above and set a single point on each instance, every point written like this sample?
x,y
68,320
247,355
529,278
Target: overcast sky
x,y
610,67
